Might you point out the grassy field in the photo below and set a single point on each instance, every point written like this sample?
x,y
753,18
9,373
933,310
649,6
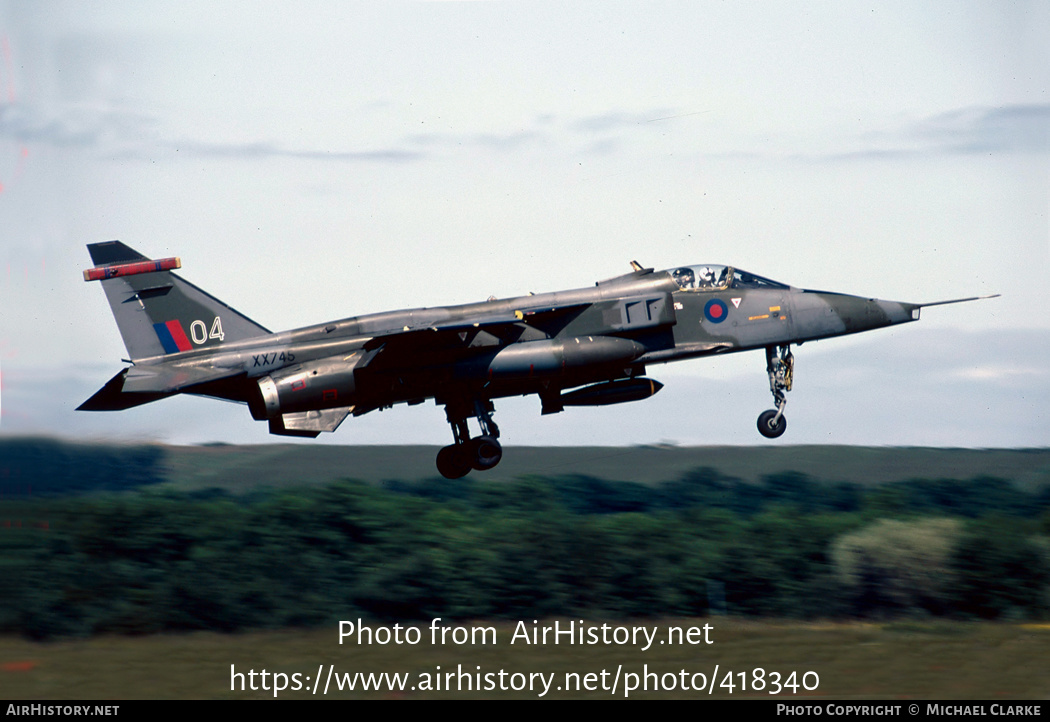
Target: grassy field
x,y
903,660
241,468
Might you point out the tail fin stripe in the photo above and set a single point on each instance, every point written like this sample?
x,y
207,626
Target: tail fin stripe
x,y
172,337
175,328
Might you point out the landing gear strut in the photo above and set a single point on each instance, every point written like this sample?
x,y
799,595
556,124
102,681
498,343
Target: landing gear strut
x,y
780,367
481,453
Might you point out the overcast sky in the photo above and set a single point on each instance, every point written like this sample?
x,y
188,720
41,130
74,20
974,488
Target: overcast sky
x,y
311,161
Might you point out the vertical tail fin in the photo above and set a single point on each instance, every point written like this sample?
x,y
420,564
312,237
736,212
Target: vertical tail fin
x,y
158,312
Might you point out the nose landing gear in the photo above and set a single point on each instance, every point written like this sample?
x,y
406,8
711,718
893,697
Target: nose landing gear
x,y
781,368
480,453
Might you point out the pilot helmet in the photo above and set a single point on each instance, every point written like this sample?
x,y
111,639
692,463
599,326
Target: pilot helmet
x,y
684,277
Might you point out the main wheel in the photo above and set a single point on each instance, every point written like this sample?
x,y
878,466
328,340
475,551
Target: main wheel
x,y
452,462
766,426
484,452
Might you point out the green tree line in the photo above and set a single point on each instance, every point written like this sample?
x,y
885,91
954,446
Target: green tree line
x,y
43,467
150,561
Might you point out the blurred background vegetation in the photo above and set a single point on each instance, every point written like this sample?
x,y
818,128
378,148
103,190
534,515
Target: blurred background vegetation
x,y
142,539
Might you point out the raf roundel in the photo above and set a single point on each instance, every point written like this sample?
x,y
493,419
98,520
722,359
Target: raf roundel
x,y
716,311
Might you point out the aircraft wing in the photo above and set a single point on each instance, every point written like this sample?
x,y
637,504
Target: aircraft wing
x,y
460,334
545,318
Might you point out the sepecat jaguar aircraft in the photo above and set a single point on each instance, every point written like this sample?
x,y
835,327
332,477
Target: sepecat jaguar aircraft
x,y
582,347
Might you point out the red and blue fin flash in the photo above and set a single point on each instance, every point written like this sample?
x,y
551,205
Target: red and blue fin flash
x,y
172,337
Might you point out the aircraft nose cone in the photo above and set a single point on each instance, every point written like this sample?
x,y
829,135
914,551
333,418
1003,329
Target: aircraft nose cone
x,y
820,314
875,313
892,311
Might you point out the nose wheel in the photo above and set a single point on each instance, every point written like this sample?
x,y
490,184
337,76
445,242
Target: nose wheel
x,y
772,423
780,365
479,453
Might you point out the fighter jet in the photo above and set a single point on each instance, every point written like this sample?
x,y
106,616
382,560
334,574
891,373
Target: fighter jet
x,y
583,347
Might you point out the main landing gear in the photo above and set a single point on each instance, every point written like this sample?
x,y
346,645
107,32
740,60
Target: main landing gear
x,y
481,453
780,367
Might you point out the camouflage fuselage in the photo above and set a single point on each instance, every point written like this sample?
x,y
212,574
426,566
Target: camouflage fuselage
x,y
535,344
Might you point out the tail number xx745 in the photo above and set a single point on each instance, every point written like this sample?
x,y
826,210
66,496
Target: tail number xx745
x,y
271,359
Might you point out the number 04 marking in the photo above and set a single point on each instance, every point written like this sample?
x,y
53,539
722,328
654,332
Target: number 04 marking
x,y
200,334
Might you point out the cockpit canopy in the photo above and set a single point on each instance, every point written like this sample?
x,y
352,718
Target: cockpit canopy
x,y
711,277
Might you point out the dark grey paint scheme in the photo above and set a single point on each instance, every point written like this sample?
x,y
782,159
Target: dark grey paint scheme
x,y
596,340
